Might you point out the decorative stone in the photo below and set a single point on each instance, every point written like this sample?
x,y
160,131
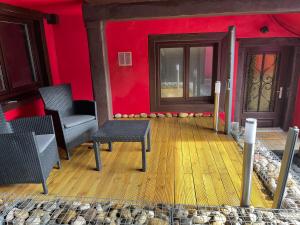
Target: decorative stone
x,y
144,115
126,214
99,207
131,116
125,115
191,115
56,213
101,216
45,218
160,115
137,116
84,206
79,221
67,217
10,215
50,206
157,221
219,218
192,212
152,115
252,217
21,213
181,213
198,114
1,201
151,214
201,219
168,115
118,115
268,215
90,214
183,115
33,220
18,221
142,218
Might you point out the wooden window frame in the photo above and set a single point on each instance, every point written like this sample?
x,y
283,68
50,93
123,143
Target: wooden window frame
x,y
13,97
186,41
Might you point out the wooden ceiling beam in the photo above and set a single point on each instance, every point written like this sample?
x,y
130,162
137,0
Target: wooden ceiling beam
x,y
140,9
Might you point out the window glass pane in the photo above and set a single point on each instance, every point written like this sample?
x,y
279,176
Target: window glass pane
x,y
268,79
17,54
171,72
261,82
200,71
253,82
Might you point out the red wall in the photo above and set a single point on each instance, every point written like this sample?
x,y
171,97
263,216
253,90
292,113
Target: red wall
x,y
130,85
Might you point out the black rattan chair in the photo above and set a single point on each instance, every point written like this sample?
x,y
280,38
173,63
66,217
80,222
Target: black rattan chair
x,y
74,121
28,150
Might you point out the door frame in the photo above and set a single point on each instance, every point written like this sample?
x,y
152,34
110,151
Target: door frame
x,y
292,45
154,41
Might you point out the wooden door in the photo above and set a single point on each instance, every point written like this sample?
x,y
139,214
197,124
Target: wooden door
x,y
263,86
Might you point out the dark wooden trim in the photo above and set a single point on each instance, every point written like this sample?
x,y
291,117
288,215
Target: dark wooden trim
x,y
186,8
100,70
195,104
287,45
19,12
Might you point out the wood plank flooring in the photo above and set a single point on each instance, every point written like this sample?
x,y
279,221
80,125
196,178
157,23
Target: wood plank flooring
x,y
189,164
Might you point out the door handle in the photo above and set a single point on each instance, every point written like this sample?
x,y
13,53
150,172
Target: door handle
x,y
280,92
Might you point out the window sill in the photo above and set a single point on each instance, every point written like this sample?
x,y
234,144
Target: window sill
x,y
19,101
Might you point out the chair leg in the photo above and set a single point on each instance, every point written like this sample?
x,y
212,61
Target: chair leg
x,y
58,164
45,188
68,154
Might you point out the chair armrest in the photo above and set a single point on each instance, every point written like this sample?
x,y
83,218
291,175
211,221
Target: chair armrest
x,y
85,107
39,125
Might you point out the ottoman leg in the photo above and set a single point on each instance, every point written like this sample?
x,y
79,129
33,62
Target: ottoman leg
x,y
143,156
96,146
110,146
149,141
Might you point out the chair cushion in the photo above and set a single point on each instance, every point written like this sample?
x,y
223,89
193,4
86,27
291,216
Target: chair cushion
x,y
71,121
44,140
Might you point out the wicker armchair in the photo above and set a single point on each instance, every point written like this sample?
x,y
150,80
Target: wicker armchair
x,y
74,121
28,150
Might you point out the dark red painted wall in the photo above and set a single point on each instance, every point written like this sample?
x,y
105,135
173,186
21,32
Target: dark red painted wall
x,y
130,85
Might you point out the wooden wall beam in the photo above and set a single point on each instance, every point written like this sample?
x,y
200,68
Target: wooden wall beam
x,y
180,8
99,69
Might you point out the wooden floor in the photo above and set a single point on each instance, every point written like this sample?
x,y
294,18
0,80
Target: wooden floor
x,y
274,139
188,164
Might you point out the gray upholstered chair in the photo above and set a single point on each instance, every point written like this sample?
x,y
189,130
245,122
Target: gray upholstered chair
x,y
28,150
74,121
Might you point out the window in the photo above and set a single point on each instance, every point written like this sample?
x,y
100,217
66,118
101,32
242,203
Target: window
x,y
22,59
183,70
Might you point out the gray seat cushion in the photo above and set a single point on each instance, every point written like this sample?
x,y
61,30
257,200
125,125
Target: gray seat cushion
x,y
71,121
44,140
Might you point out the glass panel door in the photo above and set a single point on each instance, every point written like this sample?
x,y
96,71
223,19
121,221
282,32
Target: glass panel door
x,y
261,82
171,72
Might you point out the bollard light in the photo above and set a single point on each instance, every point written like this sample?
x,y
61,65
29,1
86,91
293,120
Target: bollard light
x,y
248,158
216,105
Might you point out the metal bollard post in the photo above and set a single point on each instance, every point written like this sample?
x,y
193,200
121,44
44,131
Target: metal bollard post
x,y
216,105
228,106
286,162
248,158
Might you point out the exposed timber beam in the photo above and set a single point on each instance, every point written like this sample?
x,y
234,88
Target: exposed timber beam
x,y
180,8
